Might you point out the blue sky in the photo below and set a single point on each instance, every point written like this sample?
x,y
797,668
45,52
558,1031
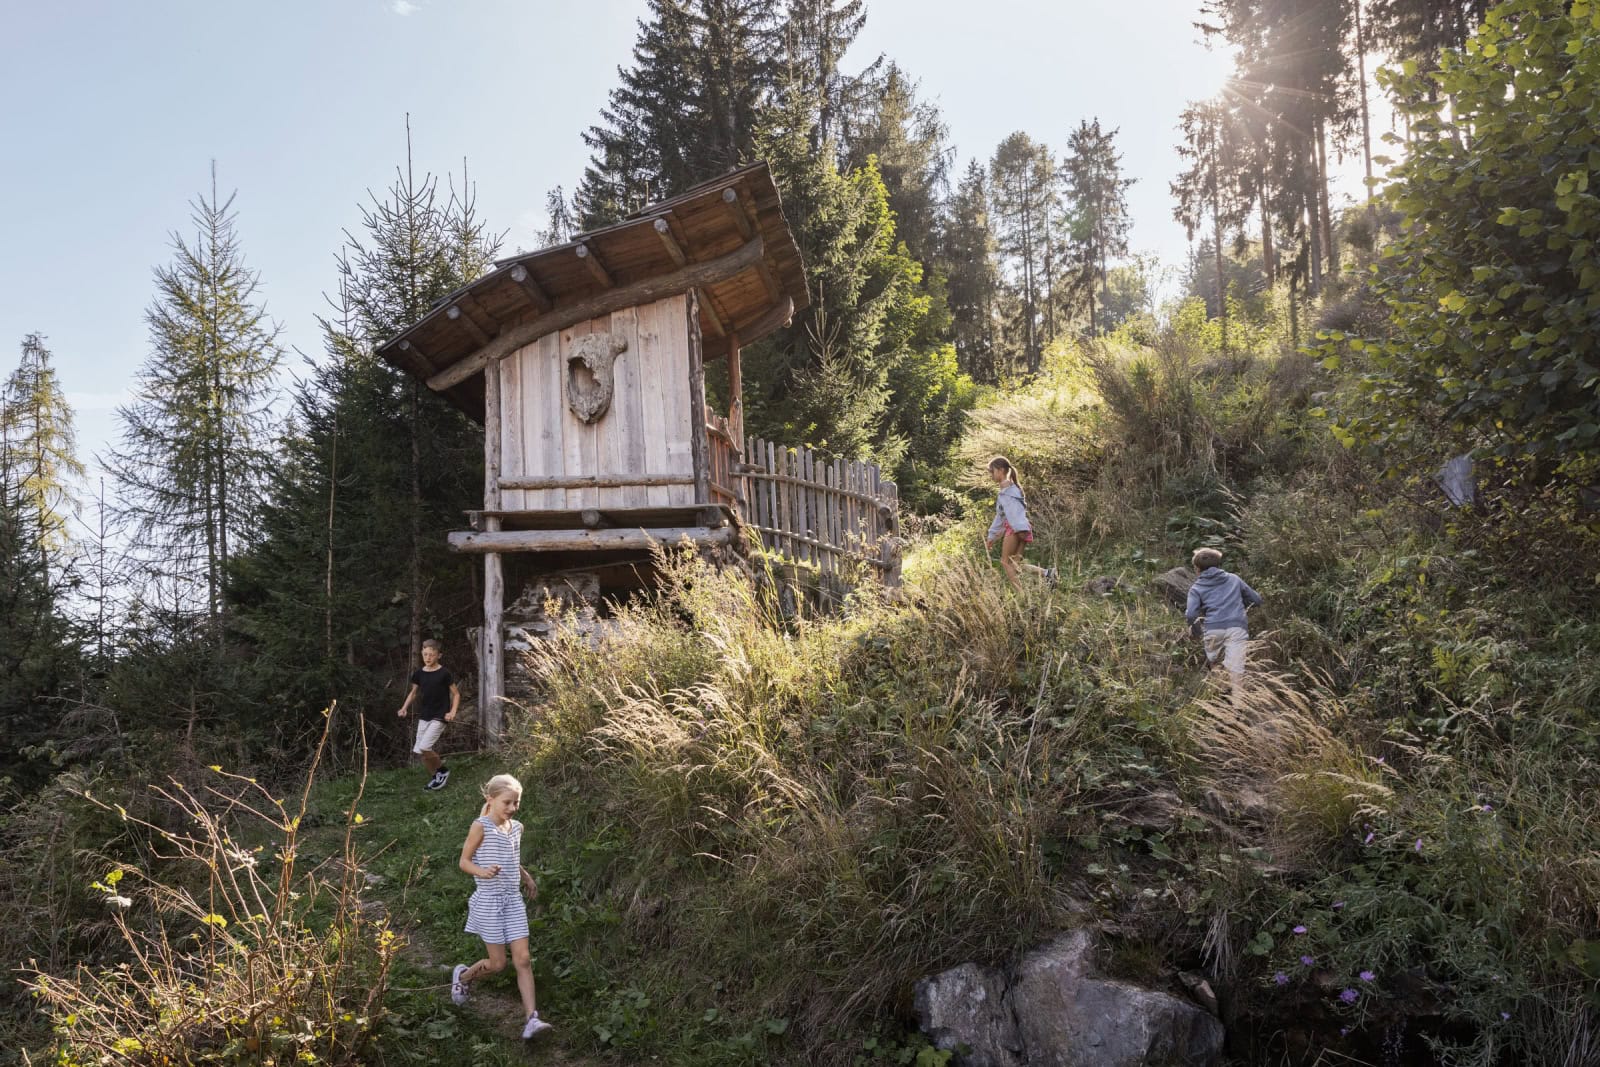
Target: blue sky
x,y
115,110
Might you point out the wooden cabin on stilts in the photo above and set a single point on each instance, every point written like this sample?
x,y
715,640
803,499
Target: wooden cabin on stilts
x,y
586,364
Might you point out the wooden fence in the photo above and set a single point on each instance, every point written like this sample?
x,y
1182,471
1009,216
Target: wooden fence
x,y
836,515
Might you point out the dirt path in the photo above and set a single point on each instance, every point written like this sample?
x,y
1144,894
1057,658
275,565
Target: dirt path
x,y
496,1005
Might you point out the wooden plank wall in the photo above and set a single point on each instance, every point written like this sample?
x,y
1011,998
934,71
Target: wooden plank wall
x,y
835,515
647,433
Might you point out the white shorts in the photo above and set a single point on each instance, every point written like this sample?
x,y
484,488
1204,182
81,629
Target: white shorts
x,y
1229,645
428,731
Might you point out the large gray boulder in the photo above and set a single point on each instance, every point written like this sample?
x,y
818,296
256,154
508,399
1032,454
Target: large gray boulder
x,y
1055,1012
965,1008
1173,586
1066,1017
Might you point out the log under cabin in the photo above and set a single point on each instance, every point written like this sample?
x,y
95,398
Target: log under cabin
x,y
586,365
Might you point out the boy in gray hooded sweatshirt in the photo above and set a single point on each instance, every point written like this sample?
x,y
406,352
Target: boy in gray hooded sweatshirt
x,y
1221,597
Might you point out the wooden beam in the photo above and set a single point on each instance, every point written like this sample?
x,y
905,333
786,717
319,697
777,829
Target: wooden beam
x,y
581,481
781,314
652,289
462,319
596,269
491,440
495,541
730,198
523,278
718,327
674,249
420,361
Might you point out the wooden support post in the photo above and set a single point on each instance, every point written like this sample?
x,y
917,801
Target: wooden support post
x,y
735,393
520,275
491,667
596,269
700,462
664,231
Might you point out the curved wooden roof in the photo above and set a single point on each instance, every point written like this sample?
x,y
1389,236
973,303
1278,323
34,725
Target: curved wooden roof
x,y
727,238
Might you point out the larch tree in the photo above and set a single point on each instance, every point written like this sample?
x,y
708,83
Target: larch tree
x,y
40,445
1208,192
196,438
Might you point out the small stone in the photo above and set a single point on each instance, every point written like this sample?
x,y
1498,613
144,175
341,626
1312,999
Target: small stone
x,y
965,1008
1103,586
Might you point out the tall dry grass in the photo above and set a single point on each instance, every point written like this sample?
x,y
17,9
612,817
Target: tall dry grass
x,y
230,950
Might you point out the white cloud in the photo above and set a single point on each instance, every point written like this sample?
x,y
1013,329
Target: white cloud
x,y
404,7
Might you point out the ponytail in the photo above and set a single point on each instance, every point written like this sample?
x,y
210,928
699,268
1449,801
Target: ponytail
x,y
1013,475
499,785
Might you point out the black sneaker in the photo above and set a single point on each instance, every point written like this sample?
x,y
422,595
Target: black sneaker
x,y
442,776
433,783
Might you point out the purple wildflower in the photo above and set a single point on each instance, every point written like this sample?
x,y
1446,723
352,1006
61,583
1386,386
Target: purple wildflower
x,y
1419,844
1349,996
1338,904
1280,978
1380,759
1343,1030
1306,961
1299,929
1505,1015
1370,836
1367,976
1488,807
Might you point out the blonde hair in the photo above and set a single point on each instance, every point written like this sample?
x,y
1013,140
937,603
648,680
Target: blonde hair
x,y
499,785
1205,557
431,643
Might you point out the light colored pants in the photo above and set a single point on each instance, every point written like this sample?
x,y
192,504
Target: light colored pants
x,y
1228,644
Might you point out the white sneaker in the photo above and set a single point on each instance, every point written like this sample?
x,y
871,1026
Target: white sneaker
x,y
535,1026
458,988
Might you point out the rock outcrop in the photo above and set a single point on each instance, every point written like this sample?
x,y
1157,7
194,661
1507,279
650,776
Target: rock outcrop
x,y
1173,586
1054,1011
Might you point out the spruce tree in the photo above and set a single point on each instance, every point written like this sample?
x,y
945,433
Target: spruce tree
x,y
196,439
908,138
40,444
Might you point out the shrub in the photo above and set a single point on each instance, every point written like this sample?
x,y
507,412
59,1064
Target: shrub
x,y
229,952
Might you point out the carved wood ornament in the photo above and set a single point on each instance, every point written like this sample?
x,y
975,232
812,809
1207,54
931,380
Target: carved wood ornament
x,y
597,353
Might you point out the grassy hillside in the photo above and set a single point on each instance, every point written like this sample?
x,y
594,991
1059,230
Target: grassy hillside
x,y
787,823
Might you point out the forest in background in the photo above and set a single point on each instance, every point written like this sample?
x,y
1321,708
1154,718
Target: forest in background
x,y
277,565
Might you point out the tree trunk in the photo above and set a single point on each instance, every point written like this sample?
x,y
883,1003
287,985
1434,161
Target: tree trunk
x,y
1222,283
1329,237
416,525
327,578
1366,118
1269,255
1314,232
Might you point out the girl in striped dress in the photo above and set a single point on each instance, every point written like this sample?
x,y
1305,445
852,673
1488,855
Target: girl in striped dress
x,y
496,911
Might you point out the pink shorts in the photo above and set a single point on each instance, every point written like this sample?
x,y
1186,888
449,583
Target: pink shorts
x,y
1026,535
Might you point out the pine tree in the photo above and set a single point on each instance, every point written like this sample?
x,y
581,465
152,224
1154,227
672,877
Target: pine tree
x,y
686,110
1097,192
351,571
561,222
817,34
970,258
1022,191
37,435
907,137
195,444
1422,29
1208,191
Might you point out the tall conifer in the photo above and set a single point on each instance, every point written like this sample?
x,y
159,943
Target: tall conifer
x,y
196,438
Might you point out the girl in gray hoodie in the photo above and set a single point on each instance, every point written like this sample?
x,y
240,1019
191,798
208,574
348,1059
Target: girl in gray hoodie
x,y
1011,524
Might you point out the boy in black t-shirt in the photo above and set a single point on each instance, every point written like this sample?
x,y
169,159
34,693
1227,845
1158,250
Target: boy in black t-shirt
x,y
437,696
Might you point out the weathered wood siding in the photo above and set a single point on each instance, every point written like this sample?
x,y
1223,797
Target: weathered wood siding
x,y
647,434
